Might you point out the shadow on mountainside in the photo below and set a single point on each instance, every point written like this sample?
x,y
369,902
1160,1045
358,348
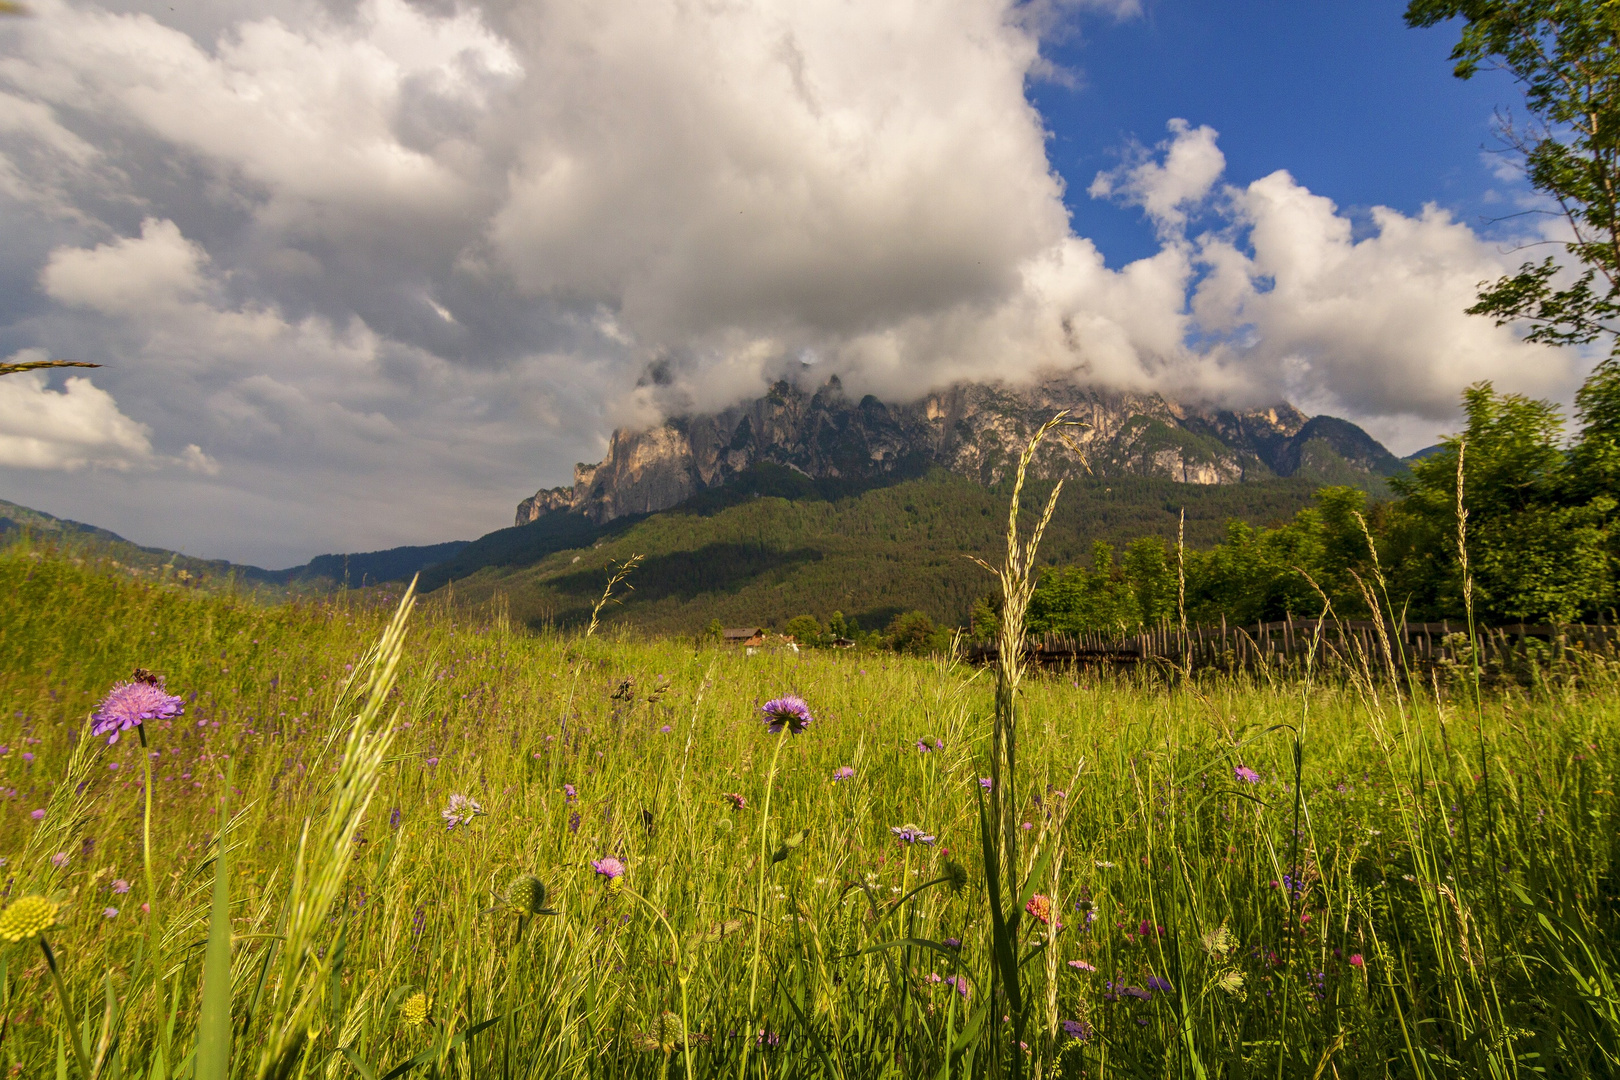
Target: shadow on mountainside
x,y
524,545
768,480
681,575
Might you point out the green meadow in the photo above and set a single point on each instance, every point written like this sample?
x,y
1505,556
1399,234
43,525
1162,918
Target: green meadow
x,y
1335,876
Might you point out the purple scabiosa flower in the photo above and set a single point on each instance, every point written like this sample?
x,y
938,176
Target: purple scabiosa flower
x,y
1081,965
569,793
985,783
789,712
665,730
120,886
38,815
952,943
60,859
461,811
1246,774
109,913
1136,992
911,834
928,744
1161,985
961,985
1077,1029
843,772
130,704
432,762
30,757
609,867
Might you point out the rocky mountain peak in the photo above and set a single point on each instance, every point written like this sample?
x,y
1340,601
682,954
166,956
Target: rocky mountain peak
x,y
975,430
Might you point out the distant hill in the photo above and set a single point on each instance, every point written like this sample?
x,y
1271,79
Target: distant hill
x,y
372,567
322,573
774,543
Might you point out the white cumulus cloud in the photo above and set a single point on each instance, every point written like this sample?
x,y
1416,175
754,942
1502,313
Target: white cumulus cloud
x,y
68,429
1166,190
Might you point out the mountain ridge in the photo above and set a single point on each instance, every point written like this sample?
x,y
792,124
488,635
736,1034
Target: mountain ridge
x,y
973,430
344,570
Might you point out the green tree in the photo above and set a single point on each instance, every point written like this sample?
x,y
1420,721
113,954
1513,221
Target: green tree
x,y
913,632
1535,551
806,630
715,630
836,626
983,622
1565,56
1152,577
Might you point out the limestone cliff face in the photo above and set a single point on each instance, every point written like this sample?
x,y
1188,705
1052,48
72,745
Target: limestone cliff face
x,y
975,430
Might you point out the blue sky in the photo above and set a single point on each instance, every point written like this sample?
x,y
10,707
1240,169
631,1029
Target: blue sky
x,y
1341,93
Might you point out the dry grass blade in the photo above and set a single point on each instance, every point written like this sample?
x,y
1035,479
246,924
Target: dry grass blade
x,y
34,365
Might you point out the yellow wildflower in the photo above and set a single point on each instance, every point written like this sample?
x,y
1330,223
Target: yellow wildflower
x,y
415,1010
28,916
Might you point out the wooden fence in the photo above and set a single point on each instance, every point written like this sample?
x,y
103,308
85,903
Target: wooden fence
x,y
1291,640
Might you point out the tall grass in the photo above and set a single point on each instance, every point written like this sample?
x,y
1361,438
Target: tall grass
x,y
1361,909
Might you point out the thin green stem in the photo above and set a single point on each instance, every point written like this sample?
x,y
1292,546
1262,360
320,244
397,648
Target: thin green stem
x,y
67,1009
759,898
151,896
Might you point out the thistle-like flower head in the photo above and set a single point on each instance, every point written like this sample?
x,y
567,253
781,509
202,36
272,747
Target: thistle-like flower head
x,y
788,711
460,811
130,704
27,917
911,834
528,894
415,1009
1040,907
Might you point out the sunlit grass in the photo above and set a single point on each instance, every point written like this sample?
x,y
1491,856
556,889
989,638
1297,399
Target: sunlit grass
x,y
1422,893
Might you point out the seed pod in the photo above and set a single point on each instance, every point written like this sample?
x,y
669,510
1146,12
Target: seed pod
x,y
527,894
